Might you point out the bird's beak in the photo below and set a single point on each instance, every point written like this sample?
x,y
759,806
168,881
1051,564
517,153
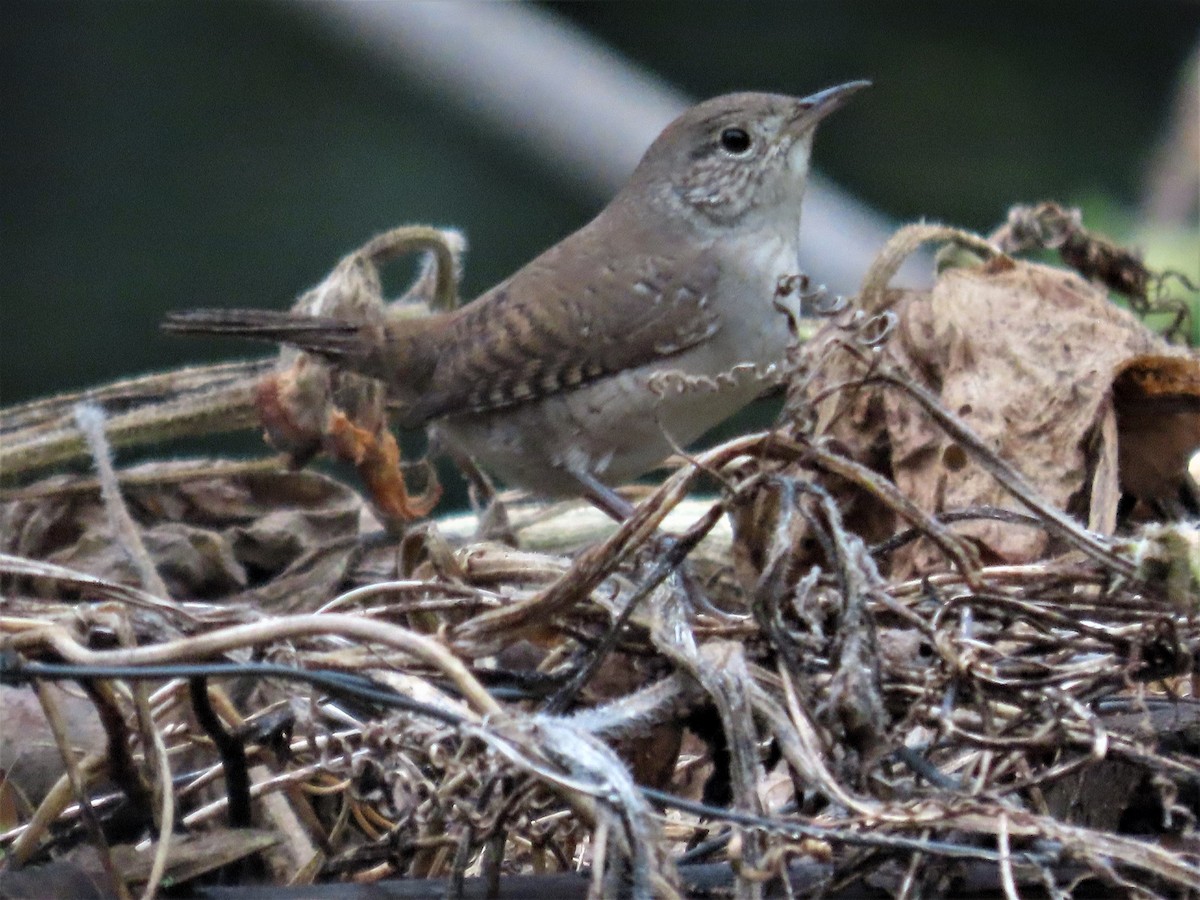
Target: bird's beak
x,y
812,109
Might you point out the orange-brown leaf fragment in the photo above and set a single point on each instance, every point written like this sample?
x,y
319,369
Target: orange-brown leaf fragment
x,y
293,404
376,457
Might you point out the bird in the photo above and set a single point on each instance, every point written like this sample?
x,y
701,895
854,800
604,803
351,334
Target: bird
x,y
628,339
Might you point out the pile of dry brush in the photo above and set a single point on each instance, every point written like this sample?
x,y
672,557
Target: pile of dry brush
x,y
933,633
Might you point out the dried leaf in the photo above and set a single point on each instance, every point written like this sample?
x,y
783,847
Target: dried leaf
x,y
208,537
1025,355
1157,401
28,753
194,854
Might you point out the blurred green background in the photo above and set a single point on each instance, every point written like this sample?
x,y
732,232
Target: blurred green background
x,y
158,156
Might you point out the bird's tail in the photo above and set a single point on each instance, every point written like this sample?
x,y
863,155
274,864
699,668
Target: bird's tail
x,y
334,339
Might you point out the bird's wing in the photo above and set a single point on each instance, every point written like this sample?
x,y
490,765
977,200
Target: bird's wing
x,y
551,328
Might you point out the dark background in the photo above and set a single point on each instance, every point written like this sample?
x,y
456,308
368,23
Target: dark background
x,y
161,156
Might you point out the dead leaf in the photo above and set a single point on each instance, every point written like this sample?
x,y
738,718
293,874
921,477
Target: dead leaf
x,y
1157,401
192,855
254,535
1025,355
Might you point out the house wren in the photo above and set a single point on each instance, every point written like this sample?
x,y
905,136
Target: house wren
x,y
633,336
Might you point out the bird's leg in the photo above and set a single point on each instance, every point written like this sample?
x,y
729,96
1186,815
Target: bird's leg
x,y
613,504
489,510
601,496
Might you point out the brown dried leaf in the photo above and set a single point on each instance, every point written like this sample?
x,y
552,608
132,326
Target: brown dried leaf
x,y
290,532
1157,401
28,752
307,583
1025,355
194,854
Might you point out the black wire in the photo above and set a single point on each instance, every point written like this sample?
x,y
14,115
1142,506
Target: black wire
x,y
843,835
339,683
993,513
13,671
924,768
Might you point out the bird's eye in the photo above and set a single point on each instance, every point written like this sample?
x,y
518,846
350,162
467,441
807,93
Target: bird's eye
x,y
735,140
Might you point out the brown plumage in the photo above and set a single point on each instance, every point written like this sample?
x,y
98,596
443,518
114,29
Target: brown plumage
x,y
547,378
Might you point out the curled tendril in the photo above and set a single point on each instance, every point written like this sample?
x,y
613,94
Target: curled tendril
x,y
673,381
1161,299
876,329
1167,275
823,303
